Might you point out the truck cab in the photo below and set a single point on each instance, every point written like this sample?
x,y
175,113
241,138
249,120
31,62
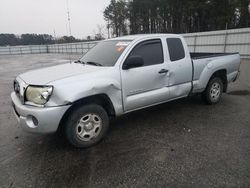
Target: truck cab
x,y
166,73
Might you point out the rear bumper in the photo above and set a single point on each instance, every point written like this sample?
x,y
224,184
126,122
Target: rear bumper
x,y
237,76
36,119
232,77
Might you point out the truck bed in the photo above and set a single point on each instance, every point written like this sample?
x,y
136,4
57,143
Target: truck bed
x,y
202,55
205,64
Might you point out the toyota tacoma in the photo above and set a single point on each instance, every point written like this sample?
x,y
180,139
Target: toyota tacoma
x,y
115,77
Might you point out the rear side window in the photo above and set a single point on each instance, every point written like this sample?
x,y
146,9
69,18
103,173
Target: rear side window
x,y
175,49
151,52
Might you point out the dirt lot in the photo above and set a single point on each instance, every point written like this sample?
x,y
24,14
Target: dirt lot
x,y
183,143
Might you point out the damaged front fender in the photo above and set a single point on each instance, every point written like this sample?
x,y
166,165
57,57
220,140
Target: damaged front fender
x,y
73,89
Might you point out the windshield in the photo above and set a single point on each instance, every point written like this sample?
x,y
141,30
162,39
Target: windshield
x,y
105,53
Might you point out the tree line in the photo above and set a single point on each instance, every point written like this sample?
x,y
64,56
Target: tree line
x,y
175,16
38,39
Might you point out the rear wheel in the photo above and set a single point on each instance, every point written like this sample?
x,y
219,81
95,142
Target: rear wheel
x,y
86,125
213,92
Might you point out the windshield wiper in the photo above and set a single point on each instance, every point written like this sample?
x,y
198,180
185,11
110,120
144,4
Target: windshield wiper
x,y
79,61
93,63
88,63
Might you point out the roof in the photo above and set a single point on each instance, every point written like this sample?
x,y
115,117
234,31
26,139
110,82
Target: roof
x,y
141,36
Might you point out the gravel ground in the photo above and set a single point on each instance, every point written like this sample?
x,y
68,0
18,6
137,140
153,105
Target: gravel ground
x,y
183,143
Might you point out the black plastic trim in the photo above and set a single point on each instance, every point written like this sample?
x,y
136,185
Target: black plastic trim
x,y
204,55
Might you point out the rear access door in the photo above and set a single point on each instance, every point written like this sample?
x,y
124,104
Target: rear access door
x,y
180,68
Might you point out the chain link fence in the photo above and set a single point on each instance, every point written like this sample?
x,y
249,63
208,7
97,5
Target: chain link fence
x,y
74,48
225,41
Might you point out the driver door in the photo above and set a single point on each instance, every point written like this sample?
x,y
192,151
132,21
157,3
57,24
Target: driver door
x,y
146,85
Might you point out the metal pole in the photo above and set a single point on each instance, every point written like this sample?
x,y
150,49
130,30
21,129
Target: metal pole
x,y
68,17
108,29
195,38
225,42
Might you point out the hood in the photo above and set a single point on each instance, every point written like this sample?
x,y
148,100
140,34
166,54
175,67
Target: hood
x,y
46,75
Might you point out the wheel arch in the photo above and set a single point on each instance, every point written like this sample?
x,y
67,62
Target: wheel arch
x,y
100,99
222,74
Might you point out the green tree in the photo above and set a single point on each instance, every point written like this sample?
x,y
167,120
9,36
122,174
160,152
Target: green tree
x,y
116,16
178,16
244,11
9,39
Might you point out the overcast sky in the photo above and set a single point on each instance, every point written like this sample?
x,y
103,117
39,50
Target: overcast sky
x,y
43,16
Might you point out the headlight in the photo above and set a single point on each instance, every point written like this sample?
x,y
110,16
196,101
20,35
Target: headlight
x,y
38,94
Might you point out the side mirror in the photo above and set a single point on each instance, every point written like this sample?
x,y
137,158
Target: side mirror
x,y
133,62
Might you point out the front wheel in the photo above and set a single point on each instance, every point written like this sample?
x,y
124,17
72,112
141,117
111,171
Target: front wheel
x,y
213,92
86,125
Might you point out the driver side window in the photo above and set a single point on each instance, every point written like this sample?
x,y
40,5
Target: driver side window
x,y
151,52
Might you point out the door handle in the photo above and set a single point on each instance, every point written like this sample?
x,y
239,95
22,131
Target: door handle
x,y
163,71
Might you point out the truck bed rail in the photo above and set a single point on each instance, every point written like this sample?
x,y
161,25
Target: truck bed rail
x,y
201,55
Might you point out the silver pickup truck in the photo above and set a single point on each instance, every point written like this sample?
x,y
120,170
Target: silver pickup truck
x,y
115,77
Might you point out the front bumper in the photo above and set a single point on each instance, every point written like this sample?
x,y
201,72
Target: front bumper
x,y
36,119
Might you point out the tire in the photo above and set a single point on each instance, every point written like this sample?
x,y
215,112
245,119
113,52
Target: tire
x,y
86,125
212,94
